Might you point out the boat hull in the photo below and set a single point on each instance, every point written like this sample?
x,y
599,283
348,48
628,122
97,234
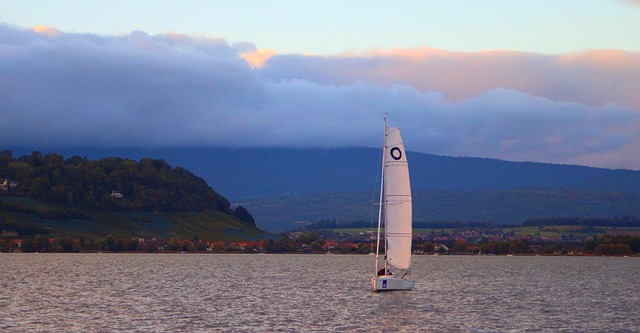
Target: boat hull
x,y
388,283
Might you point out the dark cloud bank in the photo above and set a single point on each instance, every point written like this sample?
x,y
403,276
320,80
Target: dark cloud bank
x,y
66,90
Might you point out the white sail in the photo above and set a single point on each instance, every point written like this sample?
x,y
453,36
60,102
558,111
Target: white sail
x,y
397,201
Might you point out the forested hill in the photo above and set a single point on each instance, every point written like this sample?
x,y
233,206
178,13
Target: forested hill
x,y
110,184
248,173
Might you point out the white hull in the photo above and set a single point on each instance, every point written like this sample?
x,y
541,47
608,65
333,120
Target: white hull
x,y
388,282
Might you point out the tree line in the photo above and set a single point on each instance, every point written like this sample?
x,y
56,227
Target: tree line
x,y
595,245
111,184
621,221
312,242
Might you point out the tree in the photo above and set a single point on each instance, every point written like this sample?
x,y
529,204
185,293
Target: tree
x,y
201,246
133,245
67,244
40,243
304,239
315,247
613,249
347,248
364,248
428,246
109,243
174,244
35,159
460,246
591,243
243,214
53,159
283,245
313,236
121,245
266,244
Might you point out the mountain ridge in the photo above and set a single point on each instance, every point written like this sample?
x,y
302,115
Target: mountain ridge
x,y
282,186
247,173
499,207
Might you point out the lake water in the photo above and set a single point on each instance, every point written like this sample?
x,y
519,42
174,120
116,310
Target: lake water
x,y
314,293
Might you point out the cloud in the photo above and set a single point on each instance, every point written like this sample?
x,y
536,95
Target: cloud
x,y
46,30
593,77
59,89
631,2
257,58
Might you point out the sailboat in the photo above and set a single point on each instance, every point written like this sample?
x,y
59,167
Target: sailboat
x,y
395,212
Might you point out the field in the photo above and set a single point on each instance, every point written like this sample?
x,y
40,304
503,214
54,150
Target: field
x,y
533,231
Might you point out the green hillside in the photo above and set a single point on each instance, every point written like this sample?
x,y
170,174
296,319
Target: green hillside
x,y
46,194
56,220
108,184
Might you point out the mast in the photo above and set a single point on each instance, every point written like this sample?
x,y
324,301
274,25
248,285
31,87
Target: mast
x,y
397,202
395,212
384,153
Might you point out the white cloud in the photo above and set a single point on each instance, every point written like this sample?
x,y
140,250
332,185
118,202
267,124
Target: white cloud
x,y
60,89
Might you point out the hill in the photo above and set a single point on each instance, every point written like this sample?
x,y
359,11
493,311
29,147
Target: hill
x,y
115,196
28,217
248,173
496,207
282,186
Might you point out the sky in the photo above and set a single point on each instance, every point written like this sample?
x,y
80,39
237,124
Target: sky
x,y
545,81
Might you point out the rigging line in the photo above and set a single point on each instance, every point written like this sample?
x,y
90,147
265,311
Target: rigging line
x,y
380,202
374,192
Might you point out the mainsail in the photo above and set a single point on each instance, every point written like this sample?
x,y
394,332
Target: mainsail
x,y
397,201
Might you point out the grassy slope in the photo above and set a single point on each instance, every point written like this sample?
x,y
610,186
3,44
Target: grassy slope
x,y
206,225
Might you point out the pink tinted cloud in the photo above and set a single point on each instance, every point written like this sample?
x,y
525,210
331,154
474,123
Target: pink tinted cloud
x,y
257,58
591,77
47,30
631,2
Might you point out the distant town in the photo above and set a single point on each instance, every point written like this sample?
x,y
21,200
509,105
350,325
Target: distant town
x,y
519,240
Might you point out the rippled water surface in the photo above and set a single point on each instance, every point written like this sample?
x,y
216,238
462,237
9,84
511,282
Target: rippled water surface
x,y
314,293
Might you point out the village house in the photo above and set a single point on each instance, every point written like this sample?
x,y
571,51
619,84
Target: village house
x,y
7,185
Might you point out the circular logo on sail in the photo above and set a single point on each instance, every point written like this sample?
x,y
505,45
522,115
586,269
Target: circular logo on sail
x,y
396,153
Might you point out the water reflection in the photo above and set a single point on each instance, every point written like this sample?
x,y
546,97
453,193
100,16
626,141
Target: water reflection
x,y
313,293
